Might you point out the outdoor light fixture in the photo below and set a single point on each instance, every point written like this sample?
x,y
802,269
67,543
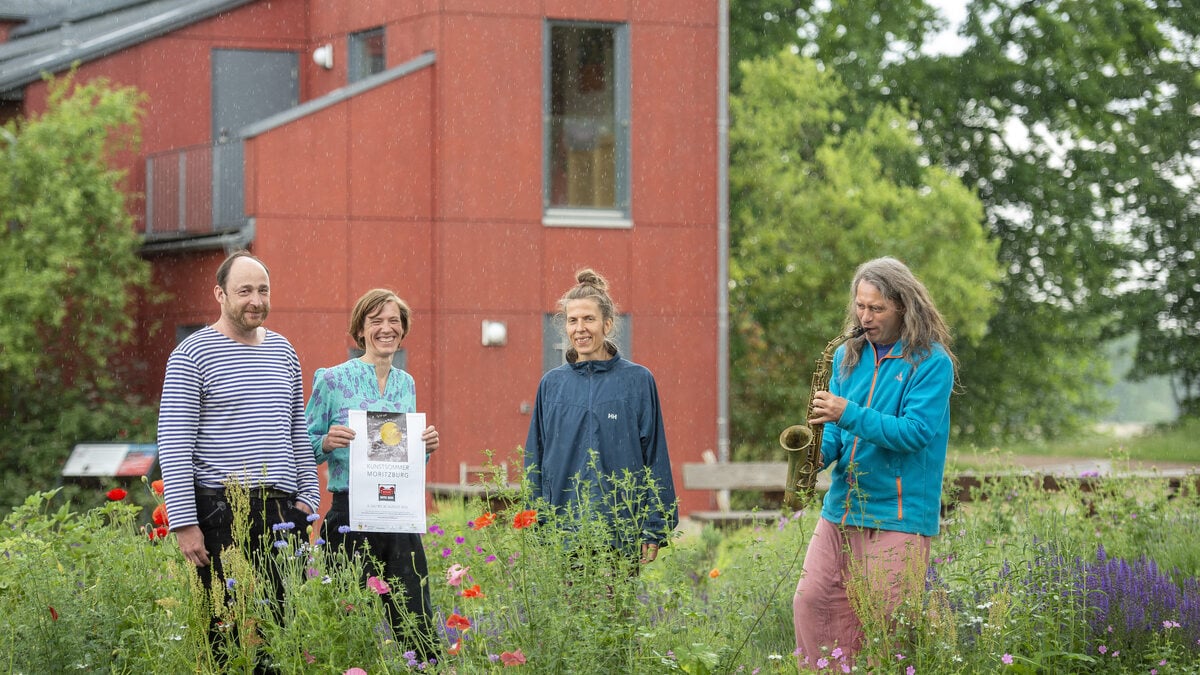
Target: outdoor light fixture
x,y
495,333
323,56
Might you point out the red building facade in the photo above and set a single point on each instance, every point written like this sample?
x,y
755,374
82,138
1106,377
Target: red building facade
x,y
470,155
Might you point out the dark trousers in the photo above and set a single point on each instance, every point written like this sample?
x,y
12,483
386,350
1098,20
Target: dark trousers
x,y
216,523
392,556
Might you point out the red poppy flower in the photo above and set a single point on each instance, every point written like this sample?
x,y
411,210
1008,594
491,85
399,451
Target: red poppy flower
x,y
157,486
160,514
513,658
455,648
117,494
151,534
483,521
53,614
472,592
524,519
162,532
458,622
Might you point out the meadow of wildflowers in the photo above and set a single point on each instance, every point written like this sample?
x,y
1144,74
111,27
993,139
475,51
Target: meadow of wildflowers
x,y
1102,580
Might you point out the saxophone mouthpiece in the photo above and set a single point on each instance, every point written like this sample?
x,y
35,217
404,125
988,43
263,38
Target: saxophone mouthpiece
x,y
857,331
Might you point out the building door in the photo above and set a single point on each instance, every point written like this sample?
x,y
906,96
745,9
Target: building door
x,y
247,86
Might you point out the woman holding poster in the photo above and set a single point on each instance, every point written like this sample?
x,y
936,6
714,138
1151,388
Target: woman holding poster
x,y
379,323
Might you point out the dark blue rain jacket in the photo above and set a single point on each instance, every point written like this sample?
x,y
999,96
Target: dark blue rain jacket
x,y
609,407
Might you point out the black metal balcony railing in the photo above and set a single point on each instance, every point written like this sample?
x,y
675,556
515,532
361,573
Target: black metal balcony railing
x,y
194,191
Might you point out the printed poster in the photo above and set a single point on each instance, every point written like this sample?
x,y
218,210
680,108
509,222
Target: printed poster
x,y
387,472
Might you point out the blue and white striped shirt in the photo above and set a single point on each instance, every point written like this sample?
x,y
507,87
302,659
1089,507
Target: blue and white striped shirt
x,y
232,410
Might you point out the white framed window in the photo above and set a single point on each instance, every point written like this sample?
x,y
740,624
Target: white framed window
x,y
586,107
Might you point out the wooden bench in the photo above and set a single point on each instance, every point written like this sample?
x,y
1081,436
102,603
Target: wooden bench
x,y
960,486
474,481
768,478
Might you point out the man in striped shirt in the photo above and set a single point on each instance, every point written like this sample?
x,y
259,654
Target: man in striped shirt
x,y
233,410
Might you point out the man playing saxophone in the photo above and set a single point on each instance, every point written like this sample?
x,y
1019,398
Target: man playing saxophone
x,y
887,423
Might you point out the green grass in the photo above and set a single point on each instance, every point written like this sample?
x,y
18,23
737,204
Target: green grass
x,y
1175,443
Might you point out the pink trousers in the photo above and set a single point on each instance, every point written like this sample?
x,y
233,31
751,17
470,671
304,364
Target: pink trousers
x,y
827,626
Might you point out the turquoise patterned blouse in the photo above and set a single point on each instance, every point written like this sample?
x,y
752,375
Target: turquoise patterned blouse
x,y
351,386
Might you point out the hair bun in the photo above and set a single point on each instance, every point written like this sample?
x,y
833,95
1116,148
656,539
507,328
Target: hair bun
x,y
589,277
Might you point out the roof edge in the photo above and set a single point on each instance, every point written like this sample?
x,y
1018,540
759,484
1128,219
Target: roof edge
x,y
229,241
336,96
109,43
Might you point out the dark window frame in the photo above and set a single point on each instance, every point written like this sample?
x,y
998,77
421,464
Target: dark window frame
x,y
360,63
619,214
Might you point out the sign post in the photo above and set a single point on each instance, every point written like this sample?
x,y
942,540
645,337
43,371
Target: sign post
x,y
117,460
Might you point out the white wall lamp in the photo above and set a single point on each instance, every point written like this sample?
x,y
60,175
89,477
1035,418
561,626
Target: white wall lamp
x,y
495,333
323,56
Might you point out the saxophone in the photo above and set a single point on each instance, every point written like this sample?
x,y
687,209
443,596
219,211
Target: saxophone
x,y
803,441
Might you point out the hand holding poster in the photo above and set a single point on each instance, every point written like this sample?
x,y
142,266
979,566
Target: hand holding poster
x,y
387,472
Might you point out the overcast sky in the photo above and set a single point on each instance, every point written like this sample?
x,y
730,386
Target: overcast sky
x,y
954,11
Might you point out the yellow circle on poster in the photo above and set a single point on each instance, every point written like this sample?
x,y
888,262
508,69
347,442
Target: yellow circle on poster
x,y
390,434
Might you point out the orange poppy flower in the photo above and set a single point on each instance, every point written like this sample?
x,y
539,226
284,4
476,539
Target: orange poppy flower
x,y
483,521
472,592
160,514
524,519
458,622
157,486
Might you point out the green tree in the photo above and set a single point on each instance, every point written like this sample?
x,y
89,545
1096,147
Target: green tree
x,y
69,279
1075,122
1076,119
810,200
853,37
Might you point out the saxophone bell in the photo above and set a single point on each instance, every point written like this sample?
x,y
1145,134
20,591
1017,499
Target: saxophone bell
x,y
796,437
803,441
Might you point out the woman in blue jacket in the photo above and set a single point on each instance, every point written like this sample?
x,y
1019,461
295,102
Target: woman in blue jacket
x,y
887,424
596,417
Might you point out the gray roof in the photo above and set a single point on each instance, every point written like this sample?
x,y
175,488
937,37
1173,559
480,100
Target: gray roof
x,y
40,15
50,41
23,10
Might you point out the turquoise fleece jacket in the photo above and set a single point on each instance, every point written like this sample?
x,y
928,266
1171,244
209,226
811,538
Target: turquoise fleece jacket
x,y
336,391
889,447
